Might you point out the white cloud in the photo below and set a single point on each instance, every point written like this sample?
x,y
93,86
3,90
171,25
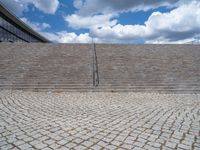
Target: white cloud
x,y
169,27
92,7
19,6
163,41
78,3
65,37
180,24
35,25
77,21
47,6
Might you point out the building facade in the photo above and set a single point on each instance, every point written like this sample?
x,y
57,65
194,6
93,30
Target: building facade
x,y
12,29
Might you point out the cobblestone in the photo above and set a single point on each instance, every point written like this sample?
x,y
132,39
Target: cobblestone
x,y
45,120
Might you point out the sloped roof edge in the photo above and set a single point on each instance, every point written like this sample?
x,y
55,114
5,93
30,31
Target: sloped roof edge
x,y
16,20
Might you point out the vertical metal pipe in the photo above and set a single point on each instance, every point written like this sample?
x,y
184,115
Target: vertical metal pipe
x,y
95,67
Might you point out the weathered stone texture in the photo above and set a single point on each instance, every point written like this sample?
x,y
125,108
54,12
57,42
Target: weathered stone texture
x,y
40,120
70,67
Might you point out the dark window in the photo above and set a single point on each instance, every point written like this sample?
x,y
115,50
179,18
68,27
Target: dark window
x,y
11,32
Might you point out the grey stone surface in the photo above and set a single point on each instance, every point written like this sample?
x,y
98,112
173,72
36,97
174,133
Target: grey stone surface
x,y
69,67
45,66
149,67
70,120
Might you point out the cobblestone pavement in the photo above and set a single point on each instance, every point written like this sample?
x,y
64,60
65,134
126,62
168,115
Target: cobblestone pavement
x,y
80,121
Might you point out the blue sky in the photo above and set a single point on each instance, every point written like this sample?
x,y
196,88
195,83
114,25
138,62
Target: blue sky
x,y
111,21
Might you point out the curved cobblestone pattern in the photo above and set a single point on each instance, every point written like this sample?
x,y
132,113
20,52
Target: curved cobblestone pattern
x,y
80,121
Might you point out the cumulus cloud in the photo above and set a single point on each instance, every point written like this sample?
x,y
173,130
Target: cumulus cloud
x,y
180,24
47,6
36,25
99,16
77,21
19,6
164,41
92,7
78,4
68,37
